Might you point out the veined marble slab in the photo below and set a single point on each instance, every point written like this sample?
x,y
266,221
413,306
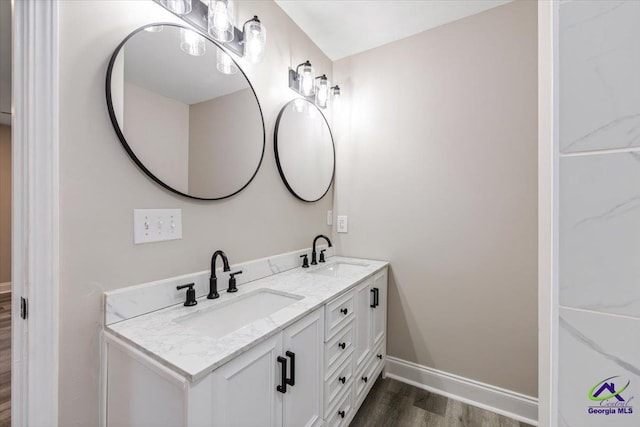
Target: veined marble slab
x,y
132,301
599,75
600,232
596,349
193,354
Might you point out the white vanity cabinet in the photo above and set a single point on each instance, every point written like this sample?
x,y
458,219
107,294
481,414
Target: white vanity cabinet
x,y
277,383
247,391
332,356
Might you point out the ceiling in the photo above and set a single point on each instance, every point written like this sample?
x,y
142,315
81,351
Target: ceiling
x,y
155,62
342,28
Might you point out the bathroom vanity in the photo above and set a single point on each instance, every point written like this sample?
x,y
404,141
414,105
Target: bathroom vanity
x,y
298,348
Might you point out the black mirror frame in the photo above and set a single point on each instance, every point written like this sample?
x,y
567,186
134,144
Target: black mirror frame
x,y
275,148
123,140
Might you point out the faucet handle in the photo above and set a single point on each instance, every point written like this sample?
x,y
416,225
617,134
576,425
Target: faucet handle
x,y
191,294
232,281
305,260
322,255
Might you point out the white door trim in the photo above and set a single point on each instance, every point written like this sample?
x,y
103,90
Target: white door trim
x,y
35,263
548,213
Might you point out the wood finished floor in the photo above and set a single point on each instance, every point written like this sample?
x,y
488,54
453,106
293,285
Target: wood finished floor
x,y
394,404
5,359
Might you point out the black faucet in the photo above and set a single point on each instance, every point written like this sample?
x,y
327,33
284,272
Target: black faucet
x,y
313,253
213,280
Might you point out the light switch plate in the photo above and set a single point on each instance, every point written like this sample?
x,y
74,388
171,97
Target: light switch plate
x,y
156,225
342,223
329,217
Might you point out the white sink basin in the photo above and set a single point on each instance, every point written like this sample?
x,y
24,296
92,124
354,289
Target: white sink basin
x,y
223,319
339,269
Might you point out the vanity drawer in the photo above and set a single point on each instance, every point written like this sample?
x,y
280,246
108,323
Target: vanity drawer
x,y
337,383
366,378
337,313
338,349
341,413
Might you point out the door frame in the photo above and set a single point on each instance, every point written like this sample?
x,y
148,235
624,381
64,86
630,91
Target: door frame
x,y
35,213
548,219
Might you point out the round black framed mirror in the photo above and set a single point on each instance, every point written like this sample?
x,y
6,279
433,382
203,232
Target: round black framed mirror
x,y
304,149
185,112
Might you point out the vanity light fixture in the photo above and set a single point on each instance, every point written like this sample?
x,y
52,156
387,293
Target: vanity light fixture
x,y
313,89
255,40
179,7
220,20
192,42
217,18
322,91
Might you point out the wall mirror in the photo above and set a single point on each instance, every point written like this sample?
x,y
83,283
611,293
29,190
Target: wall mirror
x,y
304,150
185,112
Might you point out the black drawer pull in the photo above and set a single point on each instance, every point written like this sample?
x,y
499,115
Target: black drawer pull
x,y
342,345
282,388
373,292
342,379
376,297
365,379
341,413
291,355
344,311
379,356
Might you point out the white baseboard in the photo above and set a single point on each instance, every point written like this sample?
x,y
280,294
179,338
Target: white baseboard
x,y
495,399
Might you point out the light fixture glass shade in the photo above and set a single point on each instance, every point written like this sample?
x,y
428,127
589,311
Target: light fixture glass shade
x,y
322,91
221,20
180,7
224,63
305,79
255,39
192,42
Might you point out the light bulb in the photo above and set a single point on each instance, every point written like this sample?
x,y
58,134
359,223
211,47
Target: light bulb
x,y
255,38
224,63
220,20
305,79
335,90
322,91
192,42
179,7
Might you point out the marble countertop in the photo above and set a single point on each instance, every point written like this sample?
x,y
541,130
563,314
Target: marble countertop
x,y
193,354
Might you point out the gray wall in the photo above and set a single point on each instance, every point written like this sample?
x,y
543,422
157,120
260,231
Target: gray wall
x,y
437,170
100,187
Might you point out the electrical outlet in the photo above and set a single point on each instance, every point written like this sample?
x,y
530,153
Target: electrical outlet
x,y
342,223
156,225
329,217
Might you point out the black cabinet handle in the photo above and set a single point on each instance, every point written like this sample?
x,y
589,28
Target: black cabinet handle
x,y
344,311
291,355
342,345
379,356
365,379
282,388
342,379
376,296
341,413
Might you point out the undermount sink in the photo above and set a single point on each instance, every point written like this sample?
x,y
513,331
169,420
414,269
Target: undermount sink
x,y
339,269
221,320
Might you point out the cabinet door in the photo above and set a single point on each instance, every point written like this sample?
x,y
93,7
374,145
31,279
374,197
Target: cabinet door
x,y
379,312
363,311
244,389
303,344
